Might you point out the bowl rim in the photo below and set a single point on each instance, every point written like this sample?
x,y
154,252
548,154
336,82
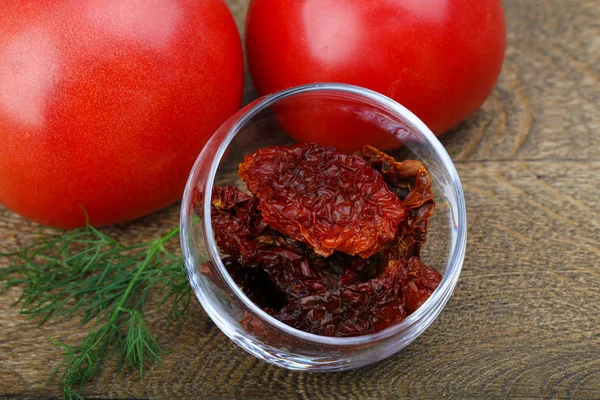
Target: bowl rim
x,y
248,112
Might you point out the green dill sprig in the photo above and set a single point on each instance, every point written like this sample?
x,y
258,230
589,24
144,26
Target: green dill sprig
x,y
86,274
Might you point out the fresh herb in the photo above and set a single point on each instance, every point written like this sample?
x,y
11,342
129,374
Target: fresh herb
x,y
87,274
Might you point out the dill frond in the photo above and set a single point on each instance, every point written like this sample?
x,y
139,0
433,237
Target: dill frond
x,y
86,274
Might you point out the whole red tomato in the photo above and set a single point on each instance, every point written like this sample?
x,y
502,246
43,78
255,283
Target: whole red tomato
x,y
438,58
105,104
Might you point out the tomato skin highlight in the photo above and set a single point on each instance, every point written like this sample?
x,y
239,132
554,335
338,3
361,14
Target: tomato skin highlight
x,y
105,104
438,58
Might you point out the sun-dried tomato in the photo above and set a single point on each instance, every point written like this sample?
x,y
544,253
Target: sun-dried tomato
x,y
339,269
410,181
365,307
419,281
257,285
317,195
238,227
356,309
290,272
330,242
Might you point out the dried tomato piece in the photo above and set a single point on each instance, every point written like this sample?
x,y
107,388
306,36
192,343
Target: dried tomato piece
x,y
290,272
410,181
272,238
328,271
257,285
353,310
365,307
329,243
419,281
254,282
355,269
238,228
339,269
235,220
317,195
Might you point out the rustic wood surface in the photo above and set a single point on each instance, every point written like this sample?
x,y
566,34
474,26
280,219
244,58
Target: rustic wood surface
x,y
524,320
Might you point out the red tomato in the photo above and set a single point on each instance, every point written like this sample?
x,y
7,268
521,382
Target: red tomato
x,y
438,58
105,104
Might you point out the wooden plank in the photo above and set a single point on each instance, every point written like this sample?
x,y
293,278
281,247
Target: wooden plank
x,y
523,321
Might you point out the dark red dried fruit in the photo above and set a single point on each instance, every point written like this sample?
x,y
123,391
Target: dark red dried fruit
x,y
410,181
418,283
238,227
235,220
317,195
329,243
256,284
356,309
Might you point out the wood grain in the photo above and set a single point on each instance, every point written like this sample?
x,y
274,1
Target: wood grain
x,y
524,320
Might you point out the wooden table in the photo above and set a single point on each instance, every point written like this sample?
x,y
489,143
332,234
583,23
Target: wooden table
x,y
524,320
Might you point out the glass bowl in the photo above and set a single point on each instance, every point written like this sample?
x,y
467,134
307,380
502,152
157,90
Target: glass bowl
x,y
320,108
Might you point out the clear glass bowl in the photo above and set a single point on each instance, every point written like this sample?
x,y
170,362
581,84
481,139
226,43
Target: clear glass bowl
x,y
318,107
